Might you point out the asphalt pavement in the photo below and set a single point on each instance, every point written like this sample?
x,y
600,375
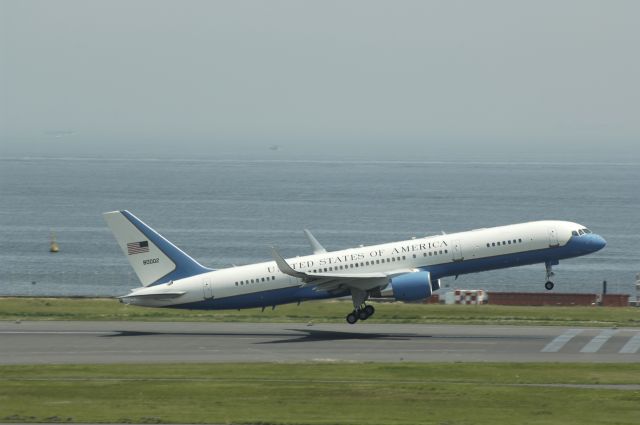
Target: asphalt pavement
x,y
73,342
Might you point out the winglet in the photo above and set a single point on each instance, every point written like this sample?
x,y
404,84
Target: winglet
x,y
315,245
284,266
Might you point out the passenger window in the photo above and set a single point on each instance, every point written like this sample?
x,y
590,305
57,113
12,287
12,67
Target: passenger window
x,y
429,253
393,258
367,263
488,245
520,240
378,261
493,244
236,283
446,251
509,242
498,243
414,255
273,278
404,257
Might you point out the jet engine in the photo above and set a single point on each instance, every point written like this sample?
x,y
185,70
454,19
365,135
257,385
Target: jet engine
x,y
412,286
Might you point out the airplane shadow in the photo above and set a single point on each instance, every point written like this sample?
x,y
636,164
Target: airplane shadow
x,y
306,335
315,335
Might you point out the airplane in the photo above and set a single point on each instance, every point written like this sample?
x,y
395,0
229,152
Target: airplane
x,y
408,270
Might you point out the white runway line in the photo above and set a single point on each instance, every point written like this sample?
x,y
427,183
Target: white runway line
x,y
560,341
598,341
632,345
52,333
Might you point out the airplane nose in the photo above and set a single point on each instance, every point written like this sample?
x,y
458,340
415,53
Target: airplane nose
x,y
590,243
598,242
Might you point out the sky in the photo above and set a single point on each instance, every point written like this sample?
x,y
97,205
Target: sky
x,y
348,79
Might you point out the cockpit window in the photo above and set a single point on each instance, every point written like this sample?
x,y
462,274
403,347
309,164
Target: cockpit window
x,y
574,233
586,230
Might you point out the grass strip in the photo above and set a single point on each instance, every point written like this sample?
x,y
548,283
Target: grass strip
x,y
332,311
320,393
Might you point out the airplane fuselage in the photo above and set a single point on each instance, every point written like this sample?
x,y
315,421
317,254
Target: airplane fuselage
x,y
264,284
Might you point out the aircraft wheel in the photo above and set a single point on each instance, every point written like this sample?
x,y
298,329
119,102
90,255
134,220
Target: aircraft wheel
x,y
352,318
362,314
369,310
548,286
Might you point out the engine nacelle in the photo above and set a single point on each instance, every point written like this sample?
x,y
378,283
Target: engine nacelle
x,y
413,286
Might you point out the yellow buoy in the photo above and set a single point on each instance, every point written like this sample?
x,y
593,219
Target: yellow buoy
x,y
54,246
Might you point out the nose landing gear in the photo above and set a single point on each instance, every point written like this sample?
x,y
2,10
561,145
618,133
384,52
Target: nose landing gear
x,y
548,265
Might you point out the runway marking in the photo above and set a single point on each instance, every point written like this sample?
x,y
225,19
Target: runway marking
x,y
598,341
54,332
632,346
560,341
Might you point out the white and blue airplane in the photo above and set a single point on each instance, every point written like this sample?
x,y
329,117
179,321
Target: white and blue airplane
x,y
408,270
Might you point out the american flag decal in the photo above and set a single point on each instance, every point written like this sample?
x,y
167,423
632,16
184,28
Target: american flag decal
x,y
137,247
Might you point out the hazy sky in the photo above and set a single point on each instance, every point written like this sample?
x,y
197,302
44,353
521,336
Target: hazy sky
x,y
394,79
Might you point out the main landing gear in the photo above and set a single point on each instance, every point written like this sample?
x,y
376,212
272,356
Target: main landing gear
x,y
548,265
361,311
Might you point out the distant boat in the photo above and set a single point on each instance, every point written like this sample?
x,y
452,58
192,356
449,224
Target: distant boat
x,y
53,247
274,147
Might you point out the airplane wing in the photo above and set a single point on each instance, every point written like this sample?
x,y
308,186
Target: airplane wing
x,y
333,281
315,245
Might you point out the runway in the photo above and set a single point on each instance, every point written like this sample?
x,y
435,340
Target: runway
x,y
165,342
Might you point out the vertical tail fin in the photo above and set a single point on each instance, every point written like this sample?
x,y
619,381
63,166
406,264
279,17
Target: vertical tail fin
x,y
153,258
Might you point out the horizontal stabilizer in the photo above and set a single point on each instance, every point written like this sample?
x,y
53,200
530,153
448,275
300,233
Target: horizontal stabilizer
x,y
158,296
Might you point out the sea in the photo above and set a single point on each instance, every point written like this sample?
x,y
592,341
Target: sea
x,y
227,212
